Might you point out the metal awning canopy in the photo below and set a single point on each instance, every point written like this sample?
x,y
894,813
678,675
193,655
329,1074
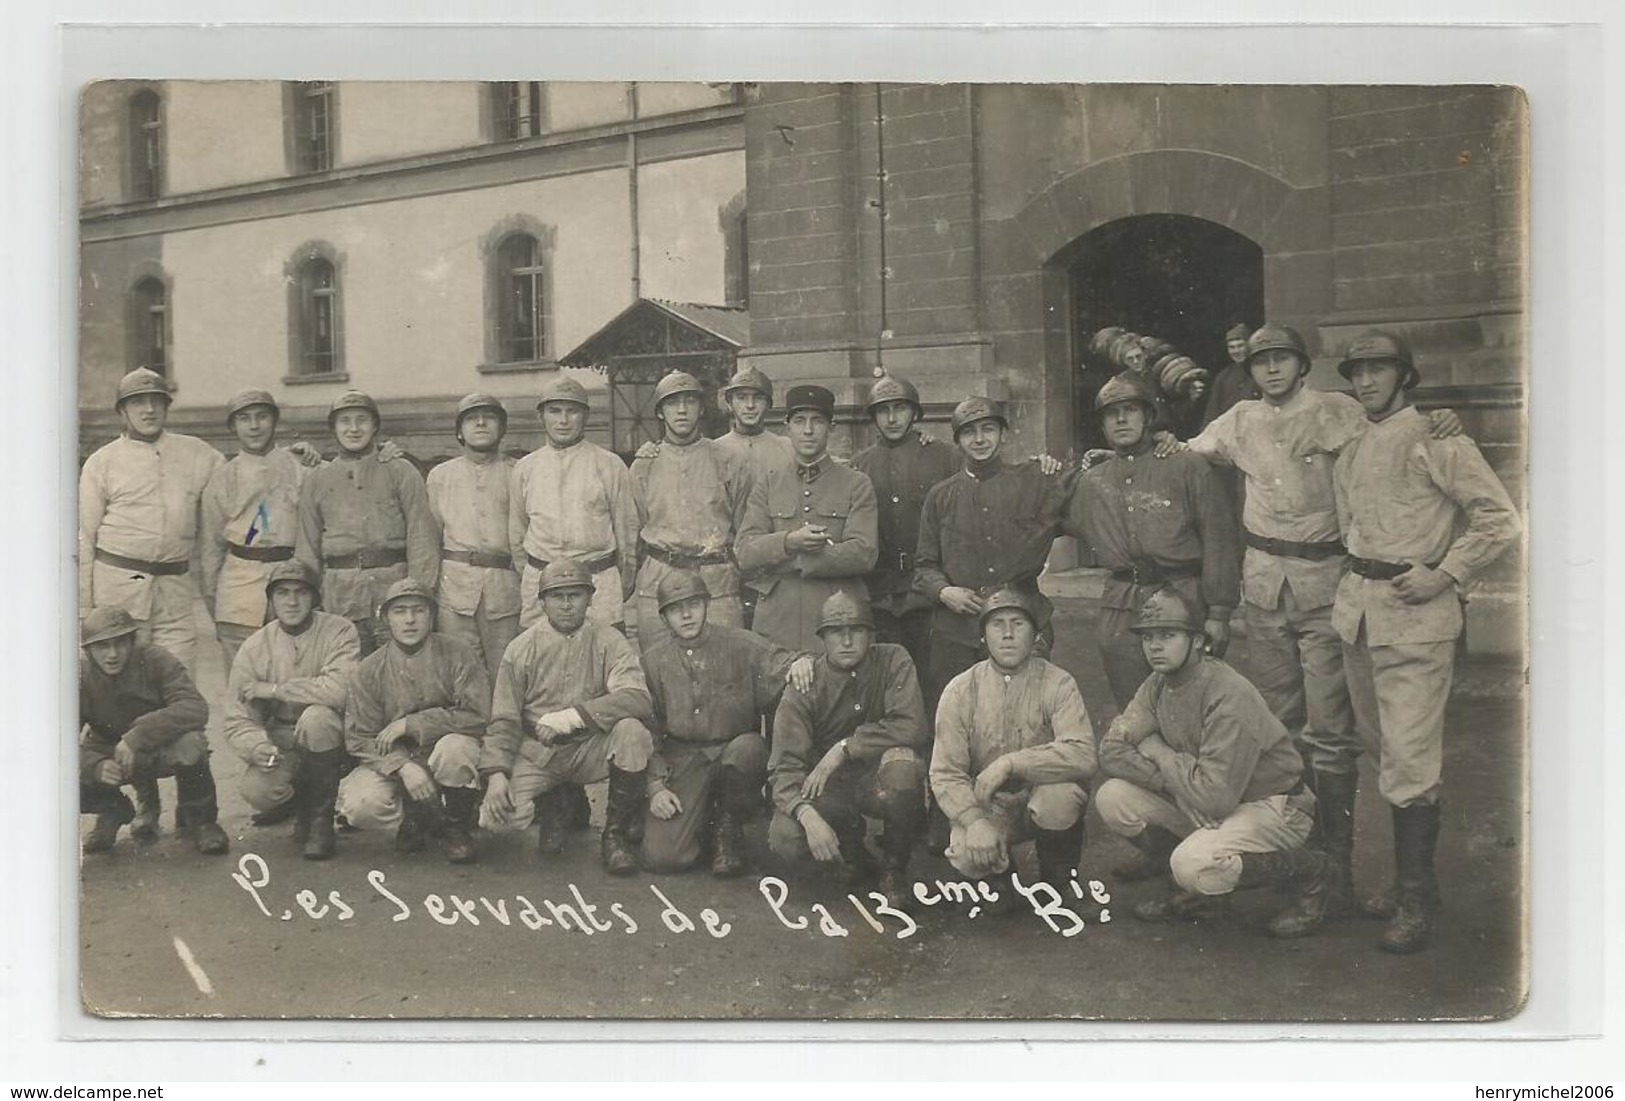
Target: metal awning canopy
x,y
657,327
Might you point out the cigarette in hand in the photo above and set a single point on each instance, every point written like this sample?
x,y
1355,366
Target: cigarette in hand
x,y
270,762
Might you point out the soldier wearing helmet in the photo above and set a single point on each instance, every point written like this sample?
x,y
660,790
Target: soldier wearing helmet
x,y
810,527
363,525
1205,782
712,684
851,746
572,499
1151,522
479,597
749,397
571,706
691,497
1014,752
990,525
414,716
1232,382
903,463
1421,517
139,517
285,707
142,718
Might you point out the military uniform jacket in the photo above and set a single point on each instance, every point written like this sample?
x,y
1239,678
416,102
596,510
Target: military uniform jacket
x,y
442,689
252,501
794,586
691,500
312,668
902,473
151,702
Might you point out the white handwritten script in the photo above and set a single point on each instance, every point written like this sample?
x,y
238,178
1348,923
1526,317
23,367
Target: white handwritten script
x,y
577,913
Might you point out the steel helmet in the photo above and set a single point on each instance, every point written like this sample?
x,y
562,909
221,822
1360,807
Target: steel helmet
x,y
1006,598
353,399
1375,344
976,409
142,380
678,382
1128,386
891,388
405,588
247,399
105,623
680,585
749,378
1167,609
564,573
480,401
562,388
293,570
842,609
1273,337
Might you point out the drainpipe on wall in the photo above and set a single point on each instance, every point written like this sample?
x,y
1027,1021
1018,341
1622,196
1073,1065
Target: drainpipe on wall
x,y
880,210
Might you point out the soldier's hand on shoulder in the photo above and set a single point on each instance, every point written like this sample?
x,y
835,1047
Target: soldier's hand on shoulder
x,y
648,450
1444,424
307,455
1167,444
389,451
1048,464
801,674
1095,456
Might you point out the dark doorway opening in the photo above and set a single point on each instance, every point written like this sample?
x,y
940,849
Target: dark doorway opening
x,y
1183,279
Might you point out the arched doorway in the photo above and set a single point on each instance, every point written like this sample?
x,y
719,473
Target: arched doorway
x,y
1173,276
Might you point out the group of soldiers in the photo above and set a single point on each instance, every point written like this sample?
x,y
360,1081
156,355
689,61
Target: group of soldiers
x,y
864,640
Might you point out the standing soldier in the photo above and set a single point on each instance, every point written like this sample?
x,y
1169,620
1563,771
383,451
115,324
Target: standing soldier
x,y
570,707
1152,523
571,499
1234,381
988,526
363,525
479,586
141,718
851,746
809,530
691,497
413,718
749,395
285,707
904,463
139,514
1014,752
712,684
1421,518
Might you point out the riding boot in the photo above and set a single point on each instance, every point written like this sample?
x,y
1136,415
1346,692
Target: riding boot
x,y
197,810
1059,853
627,797
461,808
1309,873
577,808
550,821
412,834
1416,838
149,808
728,810
1334,819
321,777
851,834
902,831
1152,847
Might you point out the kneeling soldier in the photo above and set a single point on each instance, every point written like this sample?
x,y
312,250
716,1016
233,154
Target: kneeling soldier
x,y
570,707
142,718
849,747
415,714
711,684
1014,751
285,706
1197,756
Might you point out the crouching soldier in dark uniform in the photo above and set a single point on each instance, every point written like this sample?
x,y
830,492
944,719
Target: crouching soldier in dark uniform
x,y
850,747
414,718
1014,752
285,707
142,718
711,684
1206,779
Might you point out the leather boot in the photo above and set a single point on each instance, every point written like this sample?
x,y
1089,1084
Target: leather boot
x,y
413,832
321,775
1416,838
112,809
276,815
852,833
627,797
728,811
550,821
1059,853
903,828
1152,847
577,808
461,807
1334,818
1181,905
196,809
1311,874
149,807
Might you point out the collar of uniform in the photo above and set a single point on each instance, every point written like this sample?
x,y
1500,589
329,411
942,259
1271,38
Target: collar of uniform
x,y
1189,672
482,458
982,471
551,446
1017,673
1291,405
808,472
163,434
356,457
909,437
750,433
1397,419
1140,449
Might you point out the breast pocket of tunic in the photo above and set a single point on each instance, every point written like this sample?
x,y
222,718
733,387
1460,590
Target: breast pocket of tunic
x,y
833,520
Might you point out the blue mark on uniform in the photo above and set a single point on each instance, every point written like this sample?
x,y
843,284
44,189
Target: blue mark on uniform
x,y
261,521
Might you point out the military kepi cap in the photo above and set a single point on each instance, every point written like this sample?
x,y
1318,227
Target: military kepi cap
x,y
680,585
564,573
809,397
105,623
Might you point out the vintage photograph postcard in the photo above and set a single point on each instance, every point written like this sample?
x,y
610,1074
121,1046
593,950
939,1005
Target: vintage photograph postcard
x,y
802,551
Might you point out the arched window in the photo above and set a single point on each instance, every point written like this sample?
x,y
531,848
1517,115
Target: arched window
x,y
518,109
148,328
520,280
146,145
320,350
312,125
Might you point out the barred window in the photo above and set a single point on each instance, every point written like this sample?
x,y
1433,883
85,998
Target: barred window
x,y
519,109
319,318
522,306
149,326
314,125
146,146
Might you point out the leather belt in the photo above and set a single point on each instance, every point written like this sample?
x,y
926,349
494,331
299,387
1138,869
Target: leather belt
x,y
1286,548
371,558
259,554
594,565
1378,570
478,558
1152,573
685,561
137,565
